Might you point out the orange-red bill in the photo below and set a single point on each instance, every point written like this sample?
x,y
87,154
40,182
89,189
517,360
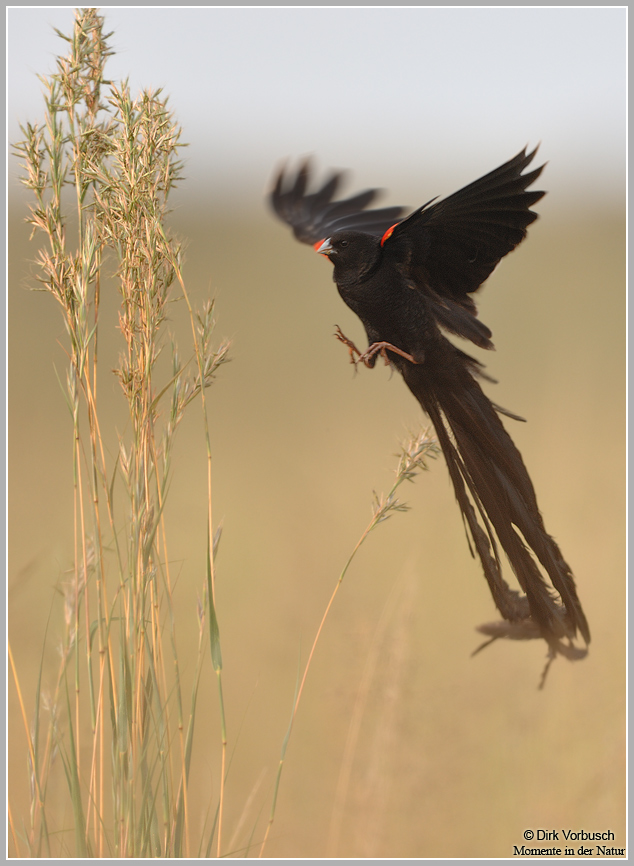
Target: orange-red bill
x,y
323,247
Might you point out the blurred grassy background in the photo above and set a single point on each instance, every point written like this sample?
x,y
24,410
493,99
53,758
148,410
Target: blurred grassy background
x,y
456,755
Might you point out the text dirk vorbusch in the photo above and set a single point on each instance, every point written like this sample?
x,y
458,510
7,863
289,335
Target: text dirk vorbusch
x,y
569,835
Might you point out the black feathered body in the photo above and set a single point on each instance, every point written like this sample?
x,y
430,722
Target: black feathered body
x,y
388,308
411,284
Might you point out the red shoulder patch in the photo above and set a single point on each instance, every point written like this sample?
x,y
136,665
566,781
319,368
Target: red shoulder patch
x,y
388,233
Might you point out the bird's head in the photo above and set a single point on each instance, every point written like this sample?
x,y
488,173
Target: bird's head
x,y
353,254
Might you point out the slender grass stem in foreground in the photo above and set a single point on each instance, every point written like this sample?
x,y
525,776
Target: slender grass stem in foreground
x,y
412,459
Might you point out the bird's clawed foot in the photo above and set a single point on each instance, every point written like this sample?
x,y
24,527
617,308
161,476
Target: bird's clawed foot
x,y
381,348
367,357
339,334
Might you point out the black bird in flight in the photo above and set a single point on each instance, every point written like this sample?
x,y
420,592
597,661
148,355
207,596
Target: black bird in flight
x,y
410,280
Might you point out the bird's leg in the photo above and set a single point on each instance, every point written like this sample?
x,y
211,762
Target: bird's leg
x,y
382,348
376,348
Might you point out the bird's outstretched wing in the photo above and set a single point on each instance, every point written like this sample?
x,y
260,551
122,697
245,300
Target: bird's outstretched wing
x,y
316,216
448,249
455,244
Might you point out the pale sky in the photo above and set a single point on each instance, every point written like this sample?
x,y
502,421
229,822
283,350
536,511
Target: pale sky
x,y
419,100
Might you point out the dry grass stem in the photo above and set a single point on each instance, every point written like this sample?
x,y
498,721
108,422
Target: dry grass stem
x,y
100,168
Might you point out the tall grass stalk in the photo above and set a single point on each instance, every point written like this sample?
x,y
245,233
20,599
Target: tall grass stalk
x,y
101,167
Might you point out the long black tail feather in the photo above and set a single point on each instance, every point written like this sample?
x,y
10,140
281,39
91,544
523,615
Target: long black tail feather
x,y
499,507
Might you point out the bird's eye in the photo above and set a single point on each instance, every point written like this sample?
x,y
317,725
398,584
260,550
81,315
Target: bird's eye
x,y
343,243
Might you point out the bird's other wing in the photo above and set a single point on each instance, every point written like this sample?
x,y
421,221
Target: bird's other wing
x,y
316,216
